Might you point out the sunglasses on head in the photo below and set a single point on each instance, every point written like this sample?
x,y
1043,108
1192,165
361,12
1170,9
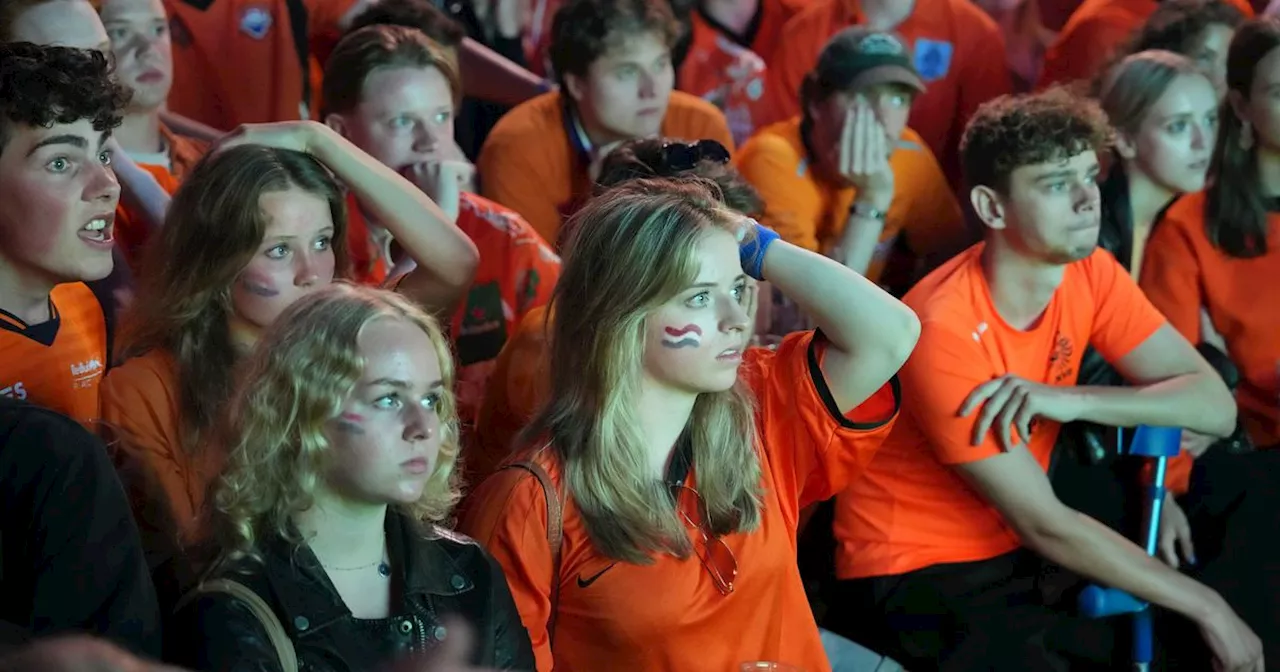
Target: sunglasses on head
x,y
678,157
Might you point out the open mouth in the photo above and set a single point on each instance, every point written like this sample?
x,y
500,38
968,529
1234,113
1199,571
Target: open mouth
x,y
730,354
100,230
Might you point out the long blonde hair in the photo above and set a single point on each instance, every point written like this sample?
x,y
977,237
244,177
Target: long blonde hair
x,y
630,251
299,376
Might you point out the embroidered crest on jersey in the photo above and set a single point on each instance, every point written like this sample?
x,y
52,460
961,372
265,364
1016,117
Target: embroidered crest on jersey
x,y
255,22
933,59
1060,368
484,325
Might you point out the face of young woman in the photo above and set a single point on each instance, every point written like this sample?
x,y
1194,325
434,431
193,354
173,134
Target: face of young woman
x,y
386,442
1175,140
294,258
695,341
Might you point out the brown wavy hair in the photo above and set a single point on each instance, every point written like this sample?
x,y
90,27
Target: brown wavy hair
x,y
43,86
214,227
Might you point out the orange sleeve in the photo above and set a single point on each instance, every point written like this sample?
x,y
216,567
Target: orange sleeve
x,y
943,370
791,207
934,221
812,449
1123,317
508,517
509,176
1171,277
1079,53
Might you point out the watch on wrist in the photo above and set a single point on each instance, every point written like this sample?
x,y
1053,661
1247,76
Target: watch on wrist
x,y
866,211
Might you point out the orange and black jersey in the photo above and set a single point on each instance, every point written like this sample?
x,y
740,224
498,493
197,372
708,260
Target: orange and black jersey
x,y
58,363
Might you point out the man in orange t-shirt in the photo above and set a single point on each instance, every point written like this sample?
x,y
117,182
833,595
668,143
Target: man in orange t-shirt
x,y
847,186
941,545
613,61
244,61
1093,34
59,197
957,49
383,72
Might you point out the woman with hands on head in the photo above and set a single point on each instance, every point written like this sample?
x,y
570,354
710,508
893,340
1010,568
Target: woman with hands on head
x,y
258,224
342,444
679,456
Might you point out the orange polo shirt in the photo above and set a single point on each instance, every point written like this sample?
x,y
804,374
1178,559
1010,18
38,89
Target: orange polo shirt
x,y
1183,272
57,364
1093,34
529,164
241,61
668,615
809,210
911,509
184,153
958,50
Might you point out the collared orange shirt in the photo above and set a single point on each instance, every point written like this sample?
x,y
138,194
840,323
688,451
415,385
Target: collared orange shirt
x,y
725,74
529,164
809,210
59,363
958,51
911,509
1092,35
669,615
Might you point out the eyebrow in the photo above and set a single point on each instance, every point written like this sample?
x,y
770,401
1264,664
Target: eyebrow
x,y
400,384
1055,175
291,236
713,285
65,139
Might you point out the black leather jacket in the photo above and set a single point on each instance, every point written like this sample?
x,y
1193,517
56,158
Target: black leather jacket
x,y
1091,443
435,574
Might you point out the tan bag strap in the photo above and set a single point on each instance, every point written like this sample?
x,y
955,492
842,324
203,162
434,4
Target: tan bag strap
x,y
260,609
555,533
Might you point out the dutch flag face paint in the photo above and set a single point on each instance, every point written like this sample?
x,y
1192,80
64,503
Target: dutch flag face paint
x,y
688,336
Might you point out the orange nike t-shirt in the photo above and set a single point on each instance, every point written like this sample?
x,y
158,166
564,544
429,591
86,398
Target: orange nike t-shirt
x,y
957,49
241,61
141,401
529,164
57,364
809,210
911,509
1182,272
725,74
607,613
1092,35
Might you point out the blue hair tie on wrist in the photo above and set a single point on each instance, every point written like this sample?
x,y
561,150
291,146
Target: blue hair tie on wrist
x,y
752,247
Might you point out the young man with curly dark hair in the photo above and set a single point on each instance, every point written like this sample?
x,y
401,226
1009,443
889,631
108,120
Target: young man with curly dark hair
x,y
953,550
57,109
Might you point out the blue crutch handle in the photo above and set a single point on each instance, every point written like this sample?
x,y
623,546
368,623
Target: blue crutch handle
x,y
1100,602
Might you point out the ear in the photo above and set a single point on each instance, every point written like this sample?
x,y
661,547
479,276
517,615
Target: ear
x,y
575,87
337,123
988,206
1125,146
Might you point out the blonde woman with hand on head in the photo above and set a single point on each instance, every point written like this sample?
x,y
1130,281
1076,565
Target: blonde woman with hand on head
x,y
342,444
678,457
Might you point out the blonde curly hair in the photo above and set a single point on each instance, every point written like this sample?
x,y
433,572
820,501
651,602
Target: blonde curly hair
x,y
301,373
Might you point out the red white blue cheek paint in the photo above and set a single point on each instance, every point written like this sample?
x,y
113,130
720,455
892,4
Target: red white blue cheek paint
x,y
349,423
259,286
688,336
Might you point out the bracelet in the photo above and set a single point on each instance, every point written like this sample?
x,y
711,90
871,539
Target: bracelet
x,y
865,211
752,247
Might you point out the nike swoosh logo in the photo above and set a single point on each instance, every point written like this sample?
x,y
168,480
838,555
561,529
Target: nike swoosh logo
x,y
587,582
